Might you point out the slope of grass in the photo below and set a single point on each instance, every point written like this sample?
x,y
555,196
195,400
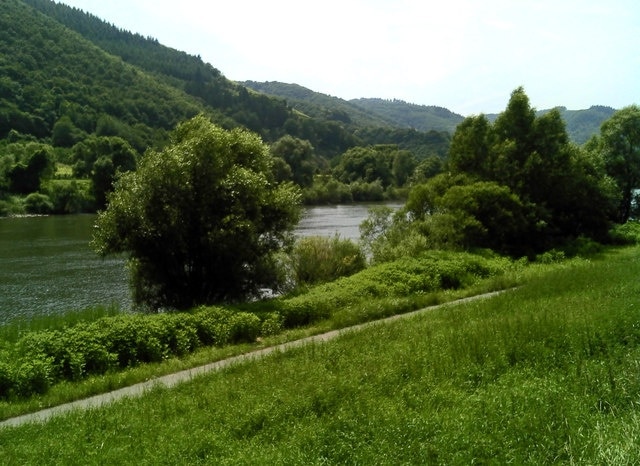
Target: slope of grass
x,y
547,373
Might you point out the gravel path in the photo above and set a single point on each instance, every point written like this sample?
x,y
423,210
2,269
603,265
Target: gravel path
x,y
183,376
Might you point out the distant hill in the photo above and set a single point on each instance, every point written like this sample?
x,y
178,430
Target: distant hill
x,y
59,64
79,56
318,105
362,112
581,124
407,115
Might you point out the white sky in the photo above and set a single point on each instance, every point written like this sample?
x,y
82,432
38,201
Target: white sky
x,y
464,55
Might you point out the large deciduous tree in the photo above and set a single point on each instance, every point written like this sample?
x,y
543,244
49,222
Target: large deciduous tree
x,y
200,219
555,191
620,147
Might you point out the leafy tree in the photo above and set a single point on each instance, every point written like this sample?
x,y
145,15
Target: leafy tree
x,y
517,186
64,133
367,164
26,176
427,168
403,165
620,147
469,150
299,156
201,219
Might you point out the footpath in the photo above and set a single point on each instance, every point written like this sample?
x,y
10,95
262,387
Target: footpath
x,y
176,378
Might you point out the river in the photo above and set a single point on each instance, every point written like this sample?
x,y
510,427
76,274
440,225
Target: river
x,y
47,266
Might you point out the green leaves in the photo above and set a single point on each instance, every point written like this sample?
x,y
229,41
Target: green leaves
x,y
620,149
199,217
517,186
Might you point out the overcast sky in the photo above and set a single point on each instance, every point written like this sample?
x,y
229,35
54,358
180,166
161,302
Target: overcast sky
x,y
464,55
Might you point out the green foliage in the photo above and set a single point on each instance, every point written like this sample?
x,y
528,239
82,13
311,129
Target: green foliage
x,y
387,236
627,233
319,259
299,156
327,190
545,190
39,359
199,218
36,203
619,146
28,173
428,272
70,197
366,164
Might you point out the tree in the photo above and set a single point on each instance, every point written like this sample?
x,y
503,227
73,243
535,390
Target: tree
x,y
517,186
200,219
367,164
298,154
469,150
26,176
620,147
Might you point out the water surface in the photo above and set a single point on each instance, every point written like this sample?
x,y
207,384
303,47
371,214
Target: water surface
x,y
47,266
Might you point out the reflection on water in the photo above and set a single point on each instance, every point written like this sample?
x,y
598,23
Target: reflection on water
x,y
47,266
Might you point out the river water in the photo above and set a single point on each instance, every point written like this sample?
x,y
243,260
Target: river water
x,y
47,266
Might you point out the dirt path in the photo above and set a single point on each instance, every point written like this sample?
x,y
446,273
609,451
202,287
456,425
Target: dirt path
x,y
171,380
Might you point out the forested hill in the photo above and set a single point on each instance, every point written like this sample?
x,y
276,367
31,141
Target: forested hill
x,y
50,75
318,105
66,74
420,117
59,63
581,124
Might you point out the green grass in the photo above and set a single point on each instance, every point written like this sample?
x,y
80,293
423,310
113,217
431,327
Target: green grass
x,y
37,357
545,374
14,329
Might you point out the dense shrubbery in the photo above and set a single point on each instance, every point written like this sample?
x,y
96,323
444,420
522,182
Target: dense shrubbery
x,y
429,272
40,359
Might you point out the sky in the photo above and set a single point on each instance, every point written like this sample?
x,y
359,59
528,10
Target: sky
x,y
464,55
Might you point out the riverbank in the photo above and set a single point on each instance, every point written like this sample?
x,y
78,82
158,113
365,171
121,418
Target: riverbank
x,y
49,267
543,374
171,380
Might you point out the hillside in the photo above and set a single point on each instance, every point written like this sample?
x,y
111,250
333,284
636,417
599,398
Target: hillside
x,y
407,115
581,124
66,69
78,66
318,105
48,73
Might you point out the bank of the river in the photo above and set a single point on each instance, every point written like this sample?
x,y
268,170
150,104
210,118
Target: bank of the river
x,y
49,268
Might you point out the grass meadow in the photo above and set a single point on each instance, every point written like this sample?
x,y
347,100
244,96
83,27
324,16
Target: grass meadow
x,y
548,373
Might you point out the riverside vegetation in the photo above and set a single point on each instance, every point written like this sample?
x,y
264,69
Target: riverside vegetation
x,y
546,373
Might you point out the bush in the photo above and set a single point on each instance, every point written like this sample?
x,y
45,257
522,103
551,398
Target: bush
x,y
319,259
428,272
39,204
245,327
627,233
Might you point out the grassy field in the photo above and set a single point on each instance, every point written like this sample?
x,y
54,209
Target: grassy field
x,y
546,373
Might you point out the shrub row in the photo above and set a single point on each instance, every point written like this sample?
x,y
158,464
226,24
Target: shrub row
x,y
40,359
431,271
